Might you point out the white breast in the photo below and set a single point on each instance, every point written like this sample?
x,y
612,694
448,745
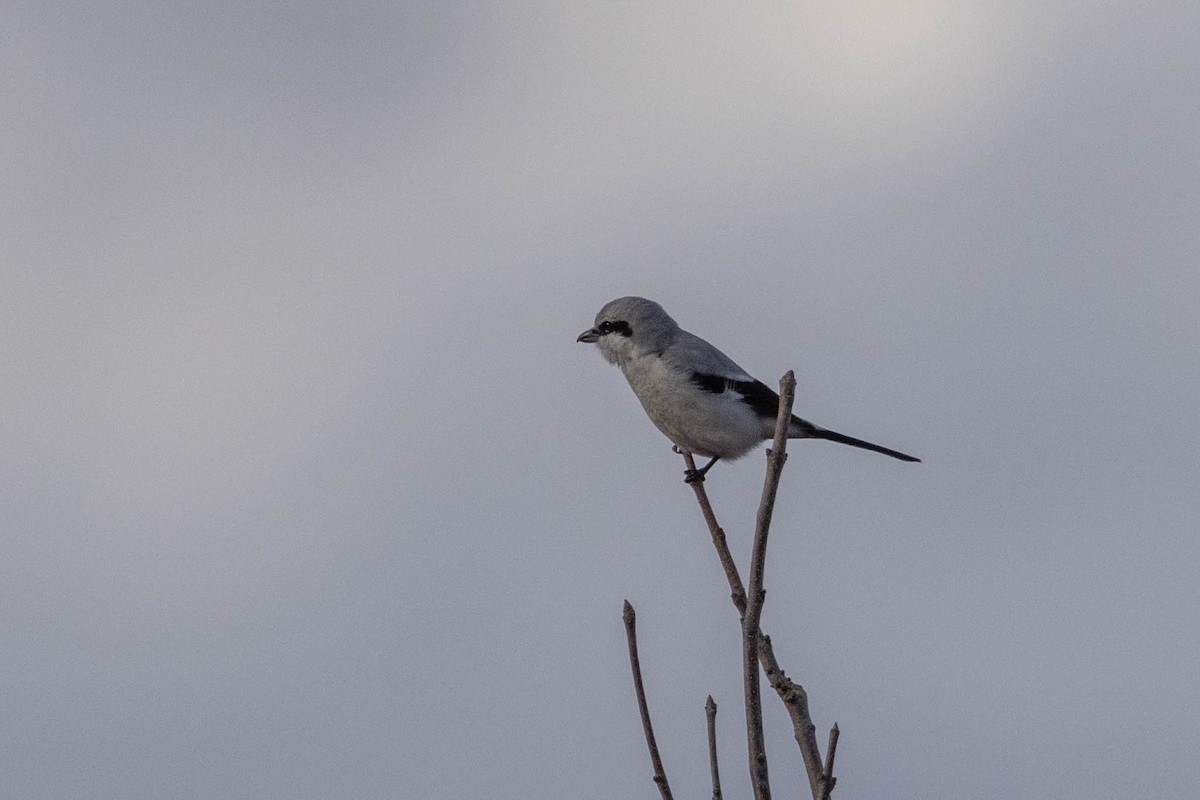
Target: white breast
x,y
703,423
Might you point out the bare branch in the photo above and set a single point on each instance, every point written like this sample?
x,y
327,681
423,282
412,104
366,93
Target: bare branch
x,y
710,710
660,776
756,594
736,590
827,779
792,694
795,700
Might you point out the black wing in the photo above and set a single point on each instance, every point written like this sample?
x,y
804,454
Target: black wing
x,y
765,403
756,394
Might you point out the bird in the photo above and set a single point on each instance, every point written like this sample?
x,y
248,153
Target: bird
x,y
696,395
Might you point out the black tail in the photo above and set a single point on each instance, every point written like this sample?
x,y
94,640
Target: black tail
x,y
806,430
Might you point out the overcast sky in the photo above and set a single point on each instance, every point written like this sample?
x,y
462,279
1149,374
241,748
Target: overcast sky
x,y
309,492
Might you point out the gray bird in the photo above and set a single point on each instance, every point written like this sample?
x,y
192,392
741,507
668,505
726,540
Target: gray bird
x,y
695,394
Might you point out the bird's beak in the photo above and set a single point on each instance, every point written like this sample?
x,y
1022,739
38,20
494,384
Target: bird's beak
x,y
588,336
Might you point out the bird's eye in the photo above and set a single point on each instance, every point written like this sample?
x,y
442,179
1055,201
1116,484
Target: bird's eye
x,y
606,327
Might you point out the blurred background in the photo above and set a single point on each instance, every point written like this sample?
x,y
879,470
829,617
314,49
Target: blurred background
x,y
308,490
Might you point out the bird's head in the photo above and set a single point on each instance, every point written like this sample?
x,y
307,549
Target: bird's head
x,y
630,326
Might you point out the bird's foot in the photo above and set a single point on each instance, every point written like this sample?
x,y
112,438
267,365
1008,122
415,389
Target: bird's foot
x,y
697,475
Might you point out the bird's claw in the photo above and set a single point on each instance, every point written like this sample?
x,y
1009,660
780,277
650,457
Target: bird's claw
x,y
693,476
675,449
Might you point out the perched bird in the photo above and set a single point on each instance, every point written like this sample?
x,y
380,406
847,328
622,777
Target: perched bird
x,y
696,395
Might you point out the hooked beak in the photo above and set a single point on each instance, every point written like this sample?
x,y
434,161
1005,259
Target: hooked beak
x,y
588,336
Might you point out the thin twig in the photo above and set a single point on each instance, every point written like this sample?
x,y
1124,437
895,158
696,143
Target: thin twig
x,y
660,776
795,700
736,590
827,779
756,594
792,694
710,710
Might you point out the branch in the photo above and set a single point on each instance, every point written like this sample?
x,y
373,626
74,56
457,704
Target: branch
x,y
737,592
710,710
827,779
795,700
660,777
756,595
792,694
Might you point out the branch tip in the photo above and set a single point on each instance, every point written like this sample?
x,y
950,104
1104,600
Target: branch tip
x,y
660,775
710,709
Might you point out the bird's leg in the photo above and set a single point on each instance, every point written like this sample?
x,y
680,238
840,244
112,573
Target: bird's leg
x,y
694,475
697,475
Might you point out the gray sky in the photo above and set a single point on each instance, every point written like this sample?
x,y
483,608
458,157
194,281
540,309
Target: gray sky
x,y
309,492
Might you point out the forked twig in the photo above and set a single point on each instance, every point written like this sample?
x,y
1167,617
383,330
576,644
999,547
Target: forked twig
x,y
792,694
660,776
